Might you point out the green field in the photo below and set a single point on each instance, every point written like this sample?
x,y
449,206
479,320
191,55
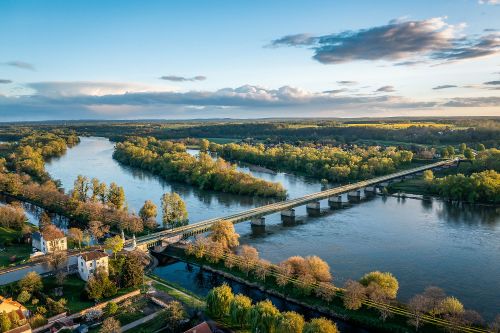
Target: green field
x,y
10,248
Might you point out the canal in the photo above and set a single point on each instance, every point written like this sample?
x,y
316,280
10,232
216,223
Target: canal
x,y
422,242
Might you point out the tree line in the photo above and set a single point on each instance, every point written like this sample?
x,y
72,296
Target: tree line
x,y
171,161
320,161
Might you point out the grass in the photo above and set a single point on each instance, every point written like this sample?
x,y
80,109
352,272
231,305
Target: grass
x,y
72,292
223,140
177,292
8,239
414,186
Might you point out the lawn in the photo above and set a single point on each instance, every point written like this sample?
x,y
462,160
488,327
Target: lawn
x,y
9,247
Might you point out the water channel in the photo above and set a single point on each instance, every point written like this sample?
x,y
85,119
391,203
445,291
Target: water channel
x,y
422,242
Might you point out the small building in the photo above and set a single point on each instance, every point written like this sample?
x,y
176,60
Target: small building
x,y
8,305
200,328
90,262
49,240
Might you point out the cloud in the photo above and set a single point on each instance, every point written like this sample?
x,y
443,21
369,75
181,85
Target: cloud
x,y
347,83
414,42
94,100
21,64
335,91
445,86
176,78
4,81
386,89
492,82
489,2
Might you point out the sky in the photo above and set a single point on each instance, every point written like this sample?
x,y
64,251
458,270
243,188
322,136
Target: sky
x,y
92,59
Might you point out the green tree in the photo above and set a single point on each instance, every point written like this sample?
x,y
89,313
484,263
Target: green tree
x,y
31,282
239,310
223,233
428,176
264,317
451,305
320,325
290,322
451,151
218,301
111,308
114,244
80,188
23,296
148,213
469,154
462,148
5,323
116,196
133,270
173,315
98,191
386,281
481,147
174,210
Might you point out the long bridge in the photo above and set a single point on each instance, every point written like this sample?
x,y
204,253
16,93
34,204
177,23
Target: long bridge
x,y
311,201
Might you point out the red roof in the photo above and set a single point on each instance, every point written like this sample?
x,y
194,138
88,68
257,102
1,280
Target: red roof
x,y
201,328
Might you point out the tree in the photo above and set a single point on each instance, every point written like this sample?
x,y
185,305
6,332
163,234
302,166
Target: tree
x,y
173,315
5,323
450,305
44,221
223,232
114,244
462,148
218,300
262,269
98,229
290,322
133,270
417,305
428,176
100,286
386,281
148,213
469,154
319,269
481,147
31,282
249,258
451,151
495,325
204,144
434,296
23,296
325,291
264,317
354,294
76,235
14,319
320,325
80,188
111,308
174,210
110,325
98,191
116,196
239,309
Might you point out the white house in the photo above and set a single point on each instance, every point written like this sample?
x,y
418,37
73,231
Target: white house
x,y
49,240
90,262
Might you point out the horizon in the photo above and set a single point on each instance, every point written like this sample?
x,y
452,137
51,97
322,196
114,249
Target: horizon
x,y
122,60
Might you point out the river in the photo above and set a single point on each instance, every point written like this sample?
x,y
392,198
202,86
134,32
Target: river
x,y
422,242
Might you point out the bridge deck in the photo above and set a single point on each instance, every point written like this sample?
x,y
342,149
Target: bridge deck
x,y
288,204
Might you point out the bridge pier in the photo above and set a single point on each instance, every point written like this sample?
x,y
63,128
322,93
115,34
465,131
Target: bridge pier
x,y
335,202
313,208
370,190
354,195
258,222
288,215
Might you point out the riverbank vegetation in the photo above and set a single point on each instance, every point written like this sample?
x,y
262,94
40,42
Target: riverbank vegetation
x,y
262,316
370,301
474,181
14,246
171,161
320,161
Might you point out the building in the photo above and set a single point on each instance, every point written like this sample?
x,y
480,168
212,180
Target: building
x,y
9,305
90,262
49,240
200,328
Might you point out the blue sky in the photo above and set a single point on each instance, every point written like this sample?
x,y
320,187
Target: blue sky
x,y
246,59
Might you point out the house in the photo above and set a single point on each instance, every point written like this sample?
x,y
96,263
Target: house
x,y
90,262
9,306
200,328
49,240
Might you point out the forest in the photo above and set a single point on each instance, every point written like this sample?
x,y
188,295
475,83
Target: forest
x,y
321,161
171,161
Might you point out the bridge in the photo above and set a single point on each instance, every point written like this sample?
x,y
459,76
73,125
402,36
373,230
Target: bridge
x,y
311,201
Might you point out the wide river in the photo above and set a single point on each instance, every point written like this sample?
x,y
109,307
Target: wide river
x,y
422,242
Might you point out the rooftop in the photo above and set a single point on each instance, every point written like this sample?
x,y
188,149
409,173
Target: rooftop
x,y
94,255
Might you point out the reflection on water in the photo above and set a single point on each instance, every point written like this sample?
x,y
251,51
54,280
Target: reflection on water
x,y
422,242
